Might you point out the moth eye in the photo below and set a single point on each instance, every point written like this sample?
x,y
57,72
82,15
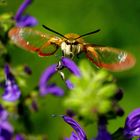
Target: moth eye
x,y
75,43
67,42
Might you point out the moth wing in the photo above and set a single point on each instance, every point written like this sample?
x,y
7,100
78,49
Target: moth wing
x,y
34,41
109,58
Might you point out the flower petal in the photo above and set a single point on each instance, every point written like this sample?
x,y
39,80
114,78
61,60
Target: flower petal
x,y
19,137
7,126
79,131
6,130
21,9
5,134
2,138
68,63
132,124
27,21
72,137
69,84
44,87
7,70
46,75
103,134
24,20
3,114
12,91
134,114
55,90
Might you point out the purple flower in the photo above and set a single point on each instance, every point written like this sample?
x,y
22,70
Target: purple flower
x,y
6,130
80,134
69,64
24,20
46,88
73,137
11,89
132,124
103,133
3,114
69,84
19,137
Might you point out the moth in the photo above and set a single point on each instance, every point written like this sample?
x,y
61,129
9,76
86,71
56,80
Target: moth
x,y
71,45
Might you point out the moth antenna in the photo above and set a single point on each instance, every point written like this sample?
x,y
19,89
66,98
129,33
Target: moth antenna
x,y
49,29
93,32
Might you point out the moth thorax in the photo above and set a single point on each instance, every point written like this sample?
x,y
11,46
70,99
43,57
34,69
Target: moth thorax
x,y
70,49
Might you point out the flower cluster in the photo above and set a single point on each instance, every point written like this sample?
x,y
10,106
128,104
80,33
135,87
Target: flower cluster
x,y
6,130
103,134
131,128
44,85
12,91
80,134
24,20
99,91
12,78
8,20
132,124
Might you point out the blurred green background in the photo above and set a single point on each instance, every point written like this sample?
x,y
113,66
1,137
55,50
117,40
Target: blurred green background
x,y
119,22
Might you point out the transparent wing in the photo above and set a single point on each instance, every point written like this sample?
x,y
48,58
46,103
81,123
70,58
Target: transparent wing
x,y
34,41
109,58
